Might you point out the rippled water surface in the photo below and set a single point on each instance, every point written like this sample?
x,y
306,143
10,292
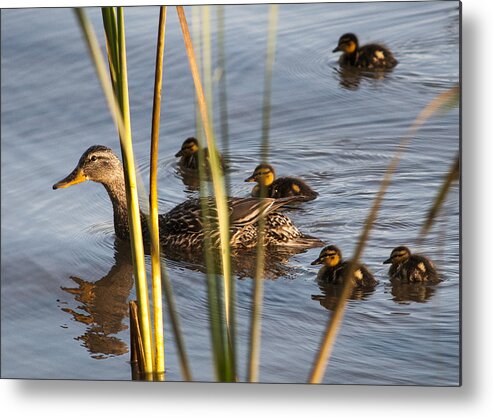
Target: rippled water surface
x,y
66,283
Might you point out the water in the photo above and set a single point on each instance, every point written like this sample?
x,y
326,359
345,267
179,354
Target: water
x,y
65,283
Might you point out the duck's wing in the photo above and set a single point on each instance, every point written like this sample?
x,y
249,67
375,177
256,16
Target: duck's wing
x,y
376,56
246,211
184,217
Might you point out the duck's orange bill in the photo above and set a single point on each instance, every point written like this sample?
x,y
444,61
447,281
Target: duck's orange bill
x,y
75,177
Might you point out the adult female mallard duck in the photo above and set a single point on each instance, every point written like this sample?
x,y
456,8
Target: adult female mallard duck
x,y
182,226
189,154
410,268
366,57
334,269
265,176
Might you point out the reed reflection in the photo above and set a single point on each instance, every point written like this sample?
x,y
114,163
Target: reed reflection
x,y
103,307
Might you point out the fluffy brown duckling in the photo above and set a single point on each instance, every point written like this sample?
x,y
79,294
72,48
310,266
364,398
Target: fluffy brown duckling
x,y
189,154
334,269
265,176
366,57
410,268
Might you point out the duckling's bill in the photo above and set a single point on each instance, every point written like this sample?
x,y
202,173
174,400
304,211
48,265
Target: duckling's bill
x,y
75,177
319,260
388,261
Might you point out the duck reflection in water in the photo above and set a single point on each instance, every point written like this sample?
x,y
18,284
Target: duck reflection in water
x,y
410,292
350,78
243,261
331,293
103,305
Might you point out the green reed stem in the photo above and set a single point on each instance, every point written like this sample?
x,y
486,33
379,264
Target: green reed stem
x,y
258,284
223,96
153,202
199,129
175,326
130,177
214,290
218,185
224,134
333,325
207,59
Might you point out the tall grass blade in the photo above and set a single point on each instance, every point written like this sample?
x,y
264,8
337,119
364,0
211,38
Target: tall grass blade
x,y
258,285
175,326
153,203
222,93
196,14
123,126
452,175
328,339
224,136
217,181
207,59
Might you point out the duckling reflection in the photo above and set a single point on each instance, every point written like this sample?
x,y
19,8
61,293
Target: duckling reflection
x,y
411,292
331,293
102,305
350,78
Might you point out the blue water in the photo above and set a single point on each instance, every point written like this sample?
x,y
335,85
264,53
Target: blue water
x,y
64,284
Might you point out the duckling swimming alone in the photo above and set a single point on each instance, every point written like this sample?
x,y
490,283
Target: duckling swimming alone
x,y
189,154
369,57
182,226
334,269
265,176
408,267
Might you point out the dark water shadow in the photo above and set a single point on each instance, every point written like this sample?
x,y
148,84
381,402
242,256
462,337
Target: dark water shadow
x,y
102,305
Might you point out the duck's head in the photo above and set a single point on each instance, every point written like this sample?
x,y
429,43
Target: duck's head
x,y
348,43
263,174
330,256
189,147
98,164
399,255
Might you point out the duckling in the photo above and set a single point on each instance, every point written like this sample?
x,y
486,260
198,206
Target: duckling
x,y
334,269
367,57
189,154
410,268
182,226
265,176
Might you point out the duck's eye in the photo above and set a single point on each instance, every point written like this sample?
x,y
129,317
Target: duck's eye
x,y
94,158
